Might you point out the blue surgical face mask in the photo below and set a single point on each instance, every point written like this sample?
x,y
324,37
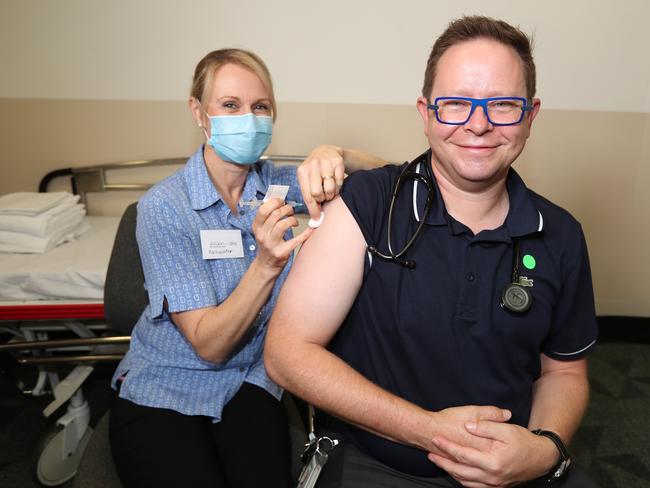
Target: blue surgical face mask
x,y
240,139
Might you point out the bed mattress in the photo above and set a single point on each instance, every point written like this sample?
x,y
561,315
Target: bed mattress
x,y
74,272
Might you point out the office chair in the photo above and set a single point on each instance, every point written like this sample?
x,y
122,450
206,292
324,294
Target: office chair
x,y
124,300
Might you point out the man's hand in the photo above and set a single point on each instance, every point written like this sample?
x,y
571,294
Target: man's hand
x,y
514,455
450,424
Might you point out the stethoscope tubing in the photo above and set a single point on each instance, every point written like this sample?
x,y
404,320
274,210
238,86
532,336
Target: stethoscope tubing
x,y
407,174
514,287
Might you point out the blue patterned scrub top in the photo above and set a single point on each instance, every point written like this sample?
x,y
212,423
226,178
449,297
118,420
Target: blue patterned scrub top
x,y
162,368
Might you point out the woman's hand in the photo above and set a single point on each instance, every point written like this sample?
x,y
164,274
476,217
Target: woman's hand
x,y
272,221
321,177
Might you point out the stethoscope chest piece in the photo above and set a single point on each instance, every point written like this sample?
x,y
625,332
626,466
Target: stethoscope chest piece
x,y
516,298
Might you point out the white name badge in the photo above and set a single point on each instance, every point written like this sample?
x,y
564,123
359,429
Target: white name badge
x,y
221,244
276,191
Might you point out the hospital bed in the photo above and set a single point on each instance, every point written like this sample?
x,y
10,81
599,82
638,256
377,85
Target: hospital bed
x,y
52,313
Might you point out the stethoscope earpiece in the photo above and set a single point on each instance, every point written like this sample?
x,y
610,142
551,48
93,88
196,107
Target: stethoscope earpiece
x,y
405,263
408,264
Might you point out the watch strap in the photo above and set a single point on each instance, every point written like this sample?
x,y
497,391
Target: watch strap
x,y
565,458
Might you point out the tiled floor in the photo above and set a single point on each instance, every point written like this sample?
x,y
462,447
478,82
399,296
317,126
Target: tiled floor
x,y
613,443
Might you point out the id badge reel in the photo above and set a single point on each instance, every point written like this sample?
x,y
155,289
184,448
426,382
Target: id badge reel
x,y
315,455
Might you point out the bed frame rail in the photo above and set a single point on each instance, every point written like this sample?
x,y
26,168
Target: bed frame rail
x,y
92,179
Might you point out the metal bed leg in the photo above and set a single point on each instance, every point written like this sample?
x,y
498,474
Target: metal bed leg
x,y
64,446
68,388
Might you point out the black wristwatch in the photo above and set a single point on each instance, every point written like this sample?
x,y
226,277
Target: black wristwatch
x,y
565,459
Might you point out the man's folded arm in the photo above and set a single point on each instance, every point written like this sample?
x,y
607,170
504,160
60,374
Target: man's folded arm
x,y
314,302
315,299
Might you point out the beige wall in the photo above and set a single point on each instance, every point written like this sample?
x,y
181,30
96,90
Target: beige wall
x,y
591,54
88,81
595,164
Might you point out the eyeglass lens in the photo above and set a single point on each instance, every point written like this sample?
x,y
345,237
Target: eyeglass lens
x,y
503,111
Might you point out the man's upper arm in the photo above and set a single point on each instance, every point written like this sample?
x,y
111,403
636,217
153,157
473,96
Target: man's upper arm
x,y
577,366
324,281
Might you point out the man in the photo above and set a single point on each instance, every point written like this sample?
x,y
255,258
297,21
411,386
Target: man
x,y
436,364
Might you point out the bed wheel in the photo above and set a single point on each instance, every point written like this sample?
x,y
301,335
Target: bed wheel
x,y
54,466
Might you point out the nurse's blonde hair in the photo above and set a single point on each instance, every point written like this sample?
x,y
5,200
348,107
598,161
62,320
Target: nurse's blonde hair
x,y
205,71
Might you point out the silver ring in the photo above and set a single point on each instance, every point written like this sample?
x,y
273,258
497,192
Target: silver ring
x,y
330,177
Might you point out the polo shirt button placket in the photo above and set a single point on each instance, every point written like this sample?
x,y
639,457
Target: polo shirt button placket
x,y
467,309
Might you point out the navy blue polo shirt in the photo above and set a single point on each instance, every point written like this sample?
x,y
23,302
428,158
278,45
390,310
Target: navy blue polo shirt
x,y
436,335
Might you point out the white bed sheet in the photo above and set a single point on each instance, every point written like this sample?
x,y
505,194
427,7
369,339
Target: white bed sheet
x,y
73,271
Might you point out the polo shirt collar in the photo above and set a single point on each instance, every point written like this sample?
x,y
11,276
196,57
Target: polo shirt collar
x,y
203,193
523,216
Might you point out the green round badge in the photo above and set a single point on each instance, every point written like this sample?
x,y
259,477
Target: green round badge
x,y
529,261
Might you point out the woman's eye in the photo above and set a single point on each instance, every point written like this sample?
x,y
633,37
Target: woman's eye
x,y
230,105
261,107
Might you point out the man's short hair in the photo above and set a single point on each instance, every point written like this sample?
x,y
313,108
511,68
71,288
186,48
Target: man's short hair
x,y
474,27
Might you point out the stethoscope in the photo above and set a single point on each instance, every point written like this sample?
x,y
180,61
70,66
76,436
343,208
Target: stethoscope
x,y
407,174
515,296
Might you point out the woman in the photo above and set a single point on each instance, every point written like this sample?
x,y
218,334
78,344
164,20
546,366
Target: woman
x,y
194,405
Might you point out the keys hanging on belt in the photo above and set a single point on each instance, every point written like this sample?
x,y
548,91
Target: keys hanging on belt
x,y
314,458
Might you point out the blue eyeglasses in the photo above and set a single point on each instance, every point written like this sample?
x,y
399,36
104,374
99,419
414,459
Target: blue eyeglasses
x,y
498,110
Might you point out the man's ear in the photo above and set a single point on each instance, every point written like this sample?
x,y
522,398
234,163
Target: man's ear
x,y
532,113
422,106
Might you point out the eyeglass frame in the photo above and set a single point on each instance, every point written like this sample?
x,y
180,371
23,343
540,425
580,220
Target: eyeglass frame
x,y
480,102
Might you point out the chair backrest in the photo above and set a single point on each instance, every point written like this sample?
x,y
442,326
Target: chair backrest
x,y
124,300
124,295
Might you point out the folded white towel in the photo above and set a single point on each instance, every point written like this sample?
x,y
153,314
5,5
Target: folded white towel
x,y
31,203
18,242
46,222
